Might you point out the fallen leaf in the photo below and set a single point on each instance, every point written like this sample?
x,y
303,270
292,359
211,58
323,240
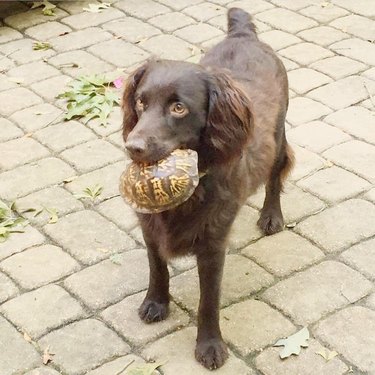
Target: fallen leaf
x,y
103,250
97,8
90,193
325,4
293,344
327,354
144,369
90,97
47,356
48,8
41,46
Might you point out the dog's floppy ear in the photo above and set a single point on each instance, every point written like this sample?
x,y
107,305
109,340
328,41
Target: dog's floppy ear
x,y
229,120
130,118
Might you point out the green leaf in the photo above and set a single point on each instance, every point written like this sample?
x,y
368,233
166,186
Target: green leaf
x,y
47,7
90,97
293,344
41,46
90,193
327,354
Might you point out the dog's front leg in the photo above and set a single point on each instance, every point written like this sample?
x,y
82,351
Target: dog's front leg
x,y
211,350
155,305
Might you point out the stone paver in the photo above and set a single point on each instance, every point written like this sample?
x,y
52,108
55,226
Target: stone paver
x,y
39,265
348,329
88,236
39,311
354,120
286,20
303,80
8,288
20,151
283,253
92,155
111,280
15,99
66,134
83,345
334,184
251,325
305,53
28,178
338,66
361,257
75,285
21,241
36,117
338,286
343,93
341,225
124,318
317,136
303,110
356,156
306,163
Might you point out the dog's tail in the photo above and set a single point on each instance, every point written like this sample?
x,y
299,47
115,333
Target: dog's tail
x,y
240,22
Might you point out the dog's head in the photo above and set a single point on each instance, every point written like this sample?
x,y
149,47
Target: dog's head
x,y
169,105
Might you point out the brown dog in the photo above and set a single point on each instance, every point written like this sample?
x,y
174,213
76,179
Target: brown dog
x,y
230,109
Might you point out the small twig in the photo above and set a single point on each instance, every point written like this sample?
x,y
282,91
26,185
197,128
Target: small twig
x,y
369,94
131,362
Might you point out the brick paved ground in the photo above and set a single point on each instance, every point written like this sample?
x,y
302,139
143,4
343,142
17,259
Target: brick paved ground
x,y
58,283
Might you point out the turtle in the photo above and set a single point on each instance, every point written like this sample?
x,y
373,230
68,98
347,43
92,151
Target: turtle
x,y
154,188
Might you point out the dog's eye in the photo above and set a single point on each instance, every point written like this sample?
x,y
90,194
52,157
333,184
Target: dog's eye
x,y
178,109
139,104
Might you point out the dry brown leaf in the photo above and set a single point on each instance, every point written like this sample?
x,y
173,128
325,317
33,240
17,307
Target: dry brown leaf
x,y
47,356
327,354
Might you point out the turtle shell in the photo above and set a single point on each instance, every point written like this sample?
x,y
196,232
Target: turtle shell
x,y
153,188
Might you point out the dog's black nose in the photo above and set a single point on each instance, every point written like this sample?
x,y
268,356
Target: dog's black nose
x,y
136,147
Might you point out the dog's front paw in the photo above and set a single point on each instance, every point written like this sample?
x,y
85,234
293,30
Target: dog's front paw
x,y
151,311
271,222
212,353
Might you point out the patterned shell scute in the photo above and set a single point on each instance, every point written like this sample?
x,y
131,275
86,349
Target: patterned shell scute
x,y
161,186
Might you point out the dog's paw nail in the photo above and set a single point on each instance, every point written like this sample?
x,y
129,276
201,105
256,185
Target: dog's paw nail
x,y
212,354
151,311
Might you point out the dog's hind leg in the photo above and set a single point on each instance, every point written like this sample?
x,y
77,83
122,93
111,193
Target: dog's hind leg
x,y
271,218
